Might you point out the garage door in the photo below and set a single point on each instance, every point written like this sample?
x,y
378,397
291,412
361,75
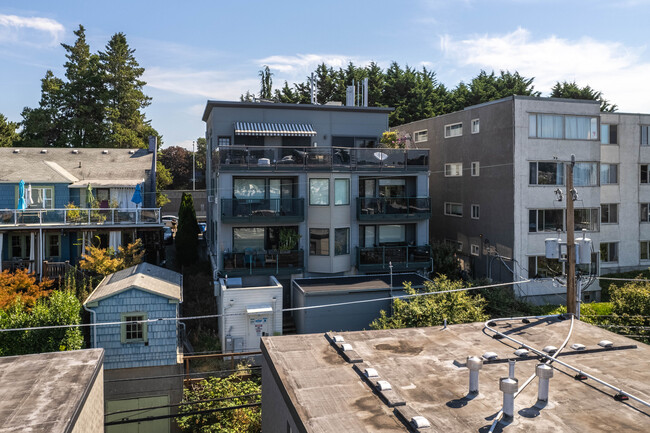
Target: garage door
x,y
160,425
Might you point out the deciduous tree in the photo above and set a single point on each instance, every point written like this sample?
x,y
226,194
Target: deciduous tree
x,y
21,286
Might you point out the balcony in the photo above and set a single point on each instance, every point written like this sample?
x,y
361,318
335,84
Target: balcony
x,y
402,257
269,158
10,218
263,262
270,210
393,208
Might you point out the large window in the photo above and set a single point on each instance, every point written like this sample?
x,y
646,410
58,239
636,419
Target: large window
x,y
132,329
42,197
586,219
644,173
420,136
20,246
254,188
541,267
645,212
341,241
645,250
319,192
341,192
475,126
608,134
608,174
609,213
248,238
319,242
454,209
585,174
559,127
545,220
453,130
388,234
454,169
645,129
546,173
609,252
392,234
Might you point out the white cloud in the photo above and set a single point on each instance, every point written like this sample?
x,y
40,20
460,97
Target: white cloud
x,y
34,31
206,84
301,64
620,72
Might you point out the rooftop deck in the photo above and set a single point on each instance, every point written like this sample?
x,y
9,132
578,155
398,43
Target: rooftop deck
x,y
55,218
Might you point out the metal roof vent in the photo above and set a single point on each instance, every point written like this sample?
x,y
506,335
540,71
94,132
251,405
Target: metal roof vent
x,y
550,349
578,346
371,372
605,343
338,339
521,352
16,150
346,347
420,422
75,151
43,150
131,151
105,152
383,385
490,356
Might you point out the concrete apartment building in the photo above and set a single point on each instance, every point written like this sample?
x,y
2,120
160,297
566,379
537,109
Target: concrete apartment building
x,y
495,169
297,190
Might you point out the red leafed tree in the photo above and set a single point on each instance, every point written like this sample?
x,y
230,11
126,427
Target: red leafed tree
x,y
21,284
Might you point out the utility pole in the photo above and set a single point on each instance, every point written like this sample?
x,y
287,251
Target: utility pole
x,y
193,167
570,241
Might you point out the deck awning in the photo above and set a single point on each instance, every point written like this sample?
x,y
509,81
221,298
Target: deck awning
x,y
275,129
259,309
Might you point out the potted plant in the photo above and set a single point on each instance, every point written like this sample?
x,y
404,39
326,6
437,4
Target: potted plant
x,y
73,213
289,238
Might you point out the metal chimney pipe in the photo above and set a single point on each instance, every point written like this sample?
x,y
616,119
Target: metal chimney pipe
x,y
474,364
511,369
509,387
544,372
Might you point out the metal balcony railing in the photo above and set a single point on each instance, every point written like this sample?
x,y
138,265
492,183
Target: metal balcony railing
x,y
263,210
263,262
382,208
402,257
79,216
276,158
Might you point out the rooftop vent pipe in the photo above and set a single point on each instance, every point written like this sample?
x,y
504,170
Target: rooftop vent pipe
x,y
16,150
474,364
544,372
511,369
43,150
509,387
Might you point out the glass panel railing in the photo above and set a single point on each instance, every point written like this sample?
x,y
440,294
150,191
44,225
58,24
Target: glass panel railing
x,y
401,256
417,159
79,216
263,261
262,208
397,206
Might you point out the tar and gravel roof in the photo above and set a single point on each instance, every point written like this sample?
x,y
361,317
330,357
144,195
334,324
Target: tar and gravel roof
x,y
45,392
425,366
62,165
355,283
146,277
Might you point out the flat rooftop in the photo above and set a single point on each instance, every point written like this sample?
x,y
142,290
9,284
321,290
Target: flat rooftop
x,y
357,283
425,367
45,392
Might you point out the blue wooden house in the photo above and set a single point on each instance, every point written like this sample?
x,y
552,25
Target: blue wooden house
x,y
134,296
60,184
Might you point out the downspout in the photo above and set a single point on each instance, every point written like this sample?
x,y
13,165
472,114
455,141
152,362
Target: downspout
x,y
94,322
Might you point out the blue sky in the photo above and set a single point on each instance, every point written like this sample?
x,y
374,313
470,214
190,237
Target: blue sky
x,y
202,50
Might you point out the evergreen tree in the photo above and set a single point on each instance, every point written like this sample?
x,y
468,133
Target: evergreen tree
x,y
44,126
573,91
125,98
8,134
266,83
85,95
187,240
375,84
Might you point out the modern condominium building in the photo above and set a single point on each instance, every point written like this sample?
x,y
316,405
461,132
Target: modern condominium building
x,y
305,190
498,171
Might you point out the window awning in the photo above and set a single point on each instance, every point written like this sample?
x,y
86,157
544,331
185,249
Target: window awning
x,y
259,309
275,129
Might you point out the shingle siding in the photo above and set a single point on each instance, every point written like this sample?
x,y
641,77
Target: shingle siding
x,y
161,348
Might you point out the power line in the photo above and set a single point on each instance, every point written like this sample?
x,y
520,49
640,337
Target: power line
x,y
186,403
169,376
313,307
198,412
623,279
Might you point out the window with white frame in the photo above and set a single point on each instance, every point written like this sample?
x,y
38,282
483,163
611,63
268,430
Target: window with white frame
x,y
476,211
133,330
474,250
475,126
546,173
341,192
545,220
42,197
609,252
609,213
586,219
420,136
645,250
454,130
562,127
454,169
608,174
585,174
319,192
454,209
476,168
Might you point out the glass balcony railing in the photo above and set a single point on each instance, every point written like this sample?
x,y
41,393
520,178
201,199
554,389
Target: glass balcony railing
x,y
263,210
402,257
263,262
78,216
382,208
319,158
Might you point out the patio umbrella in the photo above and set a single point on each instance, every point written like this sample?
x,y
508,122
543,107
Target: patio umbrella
x,y
89,196
137,195
28,196
21,195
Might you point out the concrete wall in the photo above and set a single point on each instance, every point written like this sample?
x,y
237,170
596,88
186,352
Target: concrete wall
x,y
355,317
162,346
276,416
91,418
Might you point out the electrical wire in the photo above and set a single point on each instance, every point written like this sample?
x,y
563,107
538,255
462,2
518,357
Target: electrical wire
x,y
185,403
180,415
214,316
623,279
169,376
